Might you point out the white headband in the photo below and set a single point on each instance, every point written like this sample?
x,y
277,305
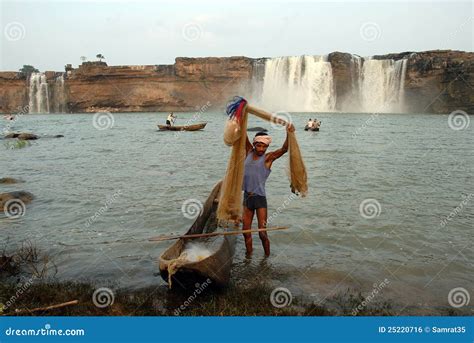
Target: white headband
x,y
262,139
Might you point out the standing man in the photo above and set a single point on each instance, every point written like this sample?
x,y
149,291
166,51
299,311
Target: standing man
x,y
170,120
257,169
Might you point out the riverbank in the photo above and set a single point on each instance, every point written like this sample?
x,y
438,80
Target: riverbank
x,y
28,287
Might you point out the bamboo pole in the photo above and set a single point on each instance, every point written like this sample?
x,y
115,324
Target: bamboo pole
x,y
212,234
266,115
27,310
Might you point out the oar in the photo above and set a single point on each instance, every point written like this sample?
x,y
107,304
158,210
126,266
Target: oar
x,y
212,234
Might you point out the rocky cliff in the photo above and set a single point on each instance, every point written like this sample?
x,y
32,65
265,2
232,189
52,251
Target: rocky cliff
x,y
436,82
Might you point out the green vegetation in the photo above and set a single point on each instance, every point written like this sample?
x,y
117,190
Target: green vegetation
x,y
28,286
27,70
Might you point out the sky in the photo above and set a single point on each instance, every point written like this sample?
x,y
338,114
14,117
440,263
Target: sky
x,y
50,34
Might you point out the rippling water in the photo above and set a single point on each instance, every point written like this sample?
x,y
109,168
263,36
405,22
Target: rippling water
x,y
411,172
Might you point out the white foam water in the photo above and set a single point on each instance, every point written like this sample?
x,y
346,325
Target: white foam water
x,y
38,94
298,83
382,85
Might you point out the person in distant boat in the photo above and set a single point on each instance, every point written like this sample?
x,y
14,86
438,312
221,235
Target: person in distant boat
x,y
170,120
310,123
258,165
317,124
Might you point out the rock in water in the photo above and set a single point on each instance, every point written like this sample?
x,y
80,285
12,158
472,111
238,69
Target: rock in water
x,y
9,180
22,135
257,128
27,136
25,197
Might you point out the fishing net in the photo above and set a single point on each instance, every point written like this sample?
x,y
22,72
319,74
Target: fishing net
x,y
235,135
230,202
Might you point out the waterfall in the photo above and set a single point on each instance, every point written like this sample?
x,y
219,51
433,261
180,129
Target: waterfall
x,y
59,95
38,94
256,83
381,85
298,83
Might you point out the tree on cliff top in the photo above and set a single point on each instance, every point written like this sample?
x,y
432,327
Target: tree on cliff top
x,y
27,70
100,57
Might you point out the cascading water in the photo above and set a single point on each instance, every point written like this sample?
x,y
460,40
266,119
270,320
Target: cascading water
x,y
381,85
256,84
38,94
298,83
59,95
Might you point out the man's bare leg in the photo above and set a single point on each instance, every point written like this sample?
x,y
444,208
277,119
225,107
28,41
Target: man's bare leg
x,y
247,219
262,223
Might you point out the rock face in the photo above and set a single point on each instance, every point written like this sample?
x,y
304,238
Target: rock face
x,y
13,92
436,82
184,86
440,82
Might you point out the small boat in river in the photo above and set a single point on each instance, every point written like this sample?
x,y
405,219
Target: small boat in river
x,y
192,127
307,128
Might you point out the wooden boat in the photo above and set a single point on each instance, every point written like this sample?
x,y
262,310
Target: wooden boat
x,y
216,267
192,127
307,128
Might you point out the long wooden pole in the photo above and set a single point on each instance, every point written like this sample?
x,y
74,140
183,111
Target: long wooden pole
x,y
212,234
266,115
72,302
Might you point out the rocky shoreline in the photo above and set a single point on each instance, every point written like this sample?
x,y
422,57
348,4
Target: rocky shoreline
x,y
439,81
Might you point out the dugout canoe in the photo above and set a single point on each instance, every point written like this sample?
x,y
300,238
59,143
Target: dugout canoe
x,y
216,267
192,127
307,128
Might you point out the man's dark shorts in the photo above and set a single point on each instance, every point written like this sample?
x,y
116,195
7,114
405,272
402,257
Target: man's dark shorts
x,y
253,201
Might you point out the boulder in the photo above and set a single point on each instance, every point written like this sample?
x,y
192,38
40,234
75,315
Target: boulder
x,y
9,180
25,197
22,135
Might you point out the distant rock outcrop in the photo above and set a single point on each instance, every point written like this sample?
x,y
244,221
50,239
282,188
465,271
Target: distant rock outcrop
x,y
26,136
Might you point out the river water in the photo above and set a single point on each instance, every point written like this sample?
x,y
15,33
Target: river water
x,y
382,191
